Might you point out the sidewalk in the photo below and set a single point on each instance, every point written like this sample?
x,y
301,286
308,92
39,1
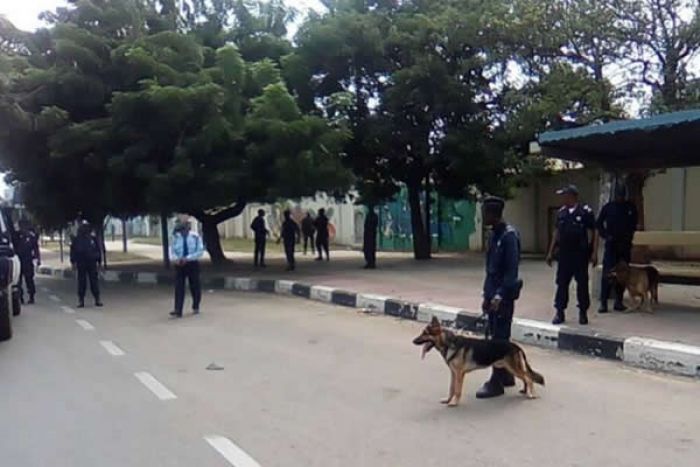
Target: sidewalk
x,y
452,280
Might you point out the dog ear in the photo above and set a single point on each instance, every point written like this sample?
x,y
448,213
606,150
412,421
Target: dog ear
x,y
435,321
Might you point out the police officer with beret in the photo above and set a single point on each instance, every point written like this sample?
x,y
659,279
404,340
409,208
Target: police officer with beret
x,y
501,287
616,224
576,242
27,246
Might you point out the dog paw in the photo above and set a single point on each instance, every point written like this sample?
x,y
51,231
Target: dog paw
x,y
531,396
452,404
445,401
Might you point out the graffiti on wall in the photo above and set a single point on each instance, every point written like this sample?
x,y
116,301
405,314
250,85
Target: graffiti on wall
x,y
451,223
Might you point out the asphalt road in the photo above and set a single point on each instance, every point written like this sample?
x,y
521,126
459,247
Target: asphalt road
x,y
304,384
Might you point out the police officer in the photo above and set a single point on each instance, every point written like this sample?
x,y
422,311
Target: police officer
x,y
85,256
307,230
27,245
260,232
576,242
501,287
186,249
369,244
322,234
289,235
616,224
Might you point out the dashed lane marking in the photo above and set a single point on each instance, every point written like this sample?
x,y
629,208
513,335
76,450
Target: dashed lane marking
x,y
235,456
155,386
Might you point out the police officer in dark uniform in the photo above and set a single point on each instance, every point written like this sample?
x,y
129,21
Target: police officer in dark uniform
x,y
85,255
501,287
576,242
289,235
260,232
616,224
322,234
369,243
27,246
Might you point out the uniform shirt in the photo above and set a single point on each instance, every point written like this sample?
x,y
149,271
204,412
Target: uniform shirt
x,y
27,245
258,226
307,226
85,250
321,224
290,231
573,225
371,224
190,251
617,222
502,261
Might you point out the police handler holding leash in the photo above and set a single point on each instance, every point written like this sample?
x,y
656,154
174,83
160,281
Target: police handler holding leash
x,y
501,287
576,239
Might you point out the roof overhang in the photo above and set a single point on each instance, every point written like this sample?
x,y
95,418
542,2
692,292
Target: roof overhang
x,y
663,141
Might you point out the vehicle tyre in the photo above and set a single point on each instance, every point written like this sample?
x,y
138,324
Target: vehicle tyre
x,y
16,303
5,318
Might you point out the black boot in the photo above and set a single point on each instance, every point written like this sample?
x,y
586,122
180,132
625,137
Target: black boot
x,y
493,387
559,317
506,376
603,307
81,304
583,318
31,299
619,306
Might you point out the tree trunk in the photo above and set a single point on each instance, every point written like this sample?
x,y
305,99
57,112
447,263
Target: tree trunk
x,y
421,241
165,239
212,242
210,233
124,237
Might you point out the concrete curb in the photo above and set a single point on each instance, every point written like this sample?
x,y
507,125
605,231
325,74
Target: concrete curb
x,y
640,352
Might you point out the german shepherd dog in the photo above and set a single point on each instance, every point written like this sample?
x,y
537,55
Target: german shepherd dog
x,y
465,354
642,283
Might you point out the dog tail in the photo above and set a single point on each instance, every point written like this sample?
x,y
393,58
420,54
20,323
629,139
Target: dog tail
x,y
654,279
536,377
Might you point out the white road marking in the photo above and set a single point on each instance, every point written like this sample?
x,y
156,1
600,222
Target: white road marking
x,y
85,325
235,456
55,298
155,386
67,309
112,348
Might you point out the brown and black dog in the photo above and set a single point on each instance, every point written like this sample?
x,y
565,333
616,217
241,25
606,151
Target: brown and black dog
x,y
642,283
465,354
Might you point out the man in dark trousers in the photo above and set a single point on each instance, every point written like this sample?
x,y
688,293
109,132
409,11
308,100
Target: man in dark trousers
x,y
575,239
186,249
260,232
27,246
307,230
616,224
369,243
322,235
290,236
501,287
86,256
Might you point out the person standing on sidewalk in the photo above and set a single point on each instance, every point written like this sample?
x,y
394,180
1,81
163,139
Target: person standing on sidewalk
x,y
27,245
322,235
369,241
575,238
289,235
307,230
186,249
86,257
616,224
501,287
260,231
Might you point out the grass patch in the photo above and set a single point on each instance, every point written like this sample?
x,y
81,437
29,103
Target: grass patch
x,y
121,257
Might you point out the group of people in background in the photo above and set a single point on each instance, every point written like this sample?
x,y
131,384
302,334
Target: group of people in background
x,y
314,231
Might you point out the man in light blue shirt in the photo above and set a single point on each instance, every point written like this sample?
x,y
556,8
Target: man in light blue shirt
x,y
185,251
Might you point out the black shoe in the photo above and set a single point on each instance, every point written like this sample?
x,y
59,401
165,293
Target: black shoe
x,y
175,314
582,319
31,301
559,318
21,300
489,390
603,309
195,311
319,259
507,379
99,304
81,305
619,307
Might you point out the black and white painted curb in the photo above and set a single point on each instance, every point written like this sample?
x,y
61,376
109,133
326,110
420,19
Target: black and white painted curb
x,y
640,352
